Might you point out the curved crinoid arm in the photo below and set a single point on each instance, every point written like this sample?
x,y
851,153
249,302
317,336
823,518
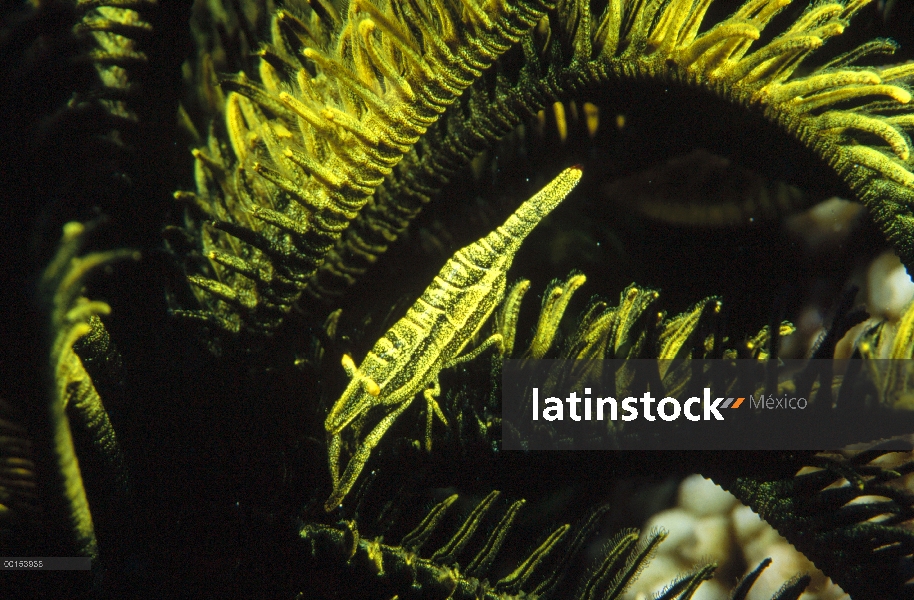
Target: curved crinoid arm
x,y
490,109
123,109
114,32
849,515
855,119
439,573
70,395
406,569
89,98
105,42
339,102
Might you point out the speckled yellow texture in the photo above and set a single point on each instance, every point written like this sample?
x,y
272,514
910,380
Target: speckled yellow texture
x,y
339,102
434,331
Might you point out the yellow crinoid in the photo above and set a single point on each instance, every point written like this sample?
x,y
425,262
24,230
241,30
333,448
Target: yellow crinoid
x,y
853,120
302,185
340,99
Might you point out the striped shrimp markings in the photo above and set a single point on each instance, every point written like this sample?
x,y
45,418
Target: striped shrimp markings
x,y
433,335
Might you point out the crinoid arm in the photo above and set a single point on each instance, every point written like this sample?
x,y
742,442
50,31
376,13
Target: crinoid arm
x,y
71,395
854,121
340,100
831,513
541,571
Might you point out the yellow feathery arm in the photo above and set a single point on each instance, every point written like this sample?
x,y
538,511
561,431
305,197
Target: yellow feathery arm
x,y
69,388
856,120
308,144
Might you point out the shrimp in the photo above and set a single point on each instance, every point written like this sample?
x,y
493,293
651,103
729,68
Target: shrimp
x,y
433,333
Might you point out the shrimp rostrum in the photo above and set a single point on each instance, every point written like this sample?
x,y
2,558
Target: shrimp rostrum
x,y
433,334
